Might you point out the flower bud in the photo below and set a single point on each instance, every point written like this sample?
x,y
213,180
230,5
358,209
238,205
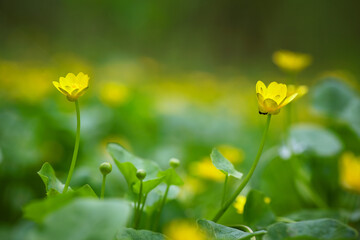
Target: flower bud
x,y
105,168
174,162
141,174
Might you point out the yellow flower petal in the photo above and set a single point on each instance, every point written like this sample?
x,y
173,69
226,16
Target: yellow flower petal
x,y
261,88
288,100
277,92
73,86
240,204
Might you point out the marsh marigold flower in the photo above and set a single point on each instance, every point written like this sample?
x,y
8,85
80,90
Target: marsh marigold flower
x,y
182,229
240,204
206,169
272,98
73,86
290,61
350,172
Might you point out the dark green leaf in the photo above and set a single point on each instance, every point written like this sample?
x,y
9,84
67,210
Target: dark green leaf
x,y
257,212
85,219
224,165
321,229
221,232
132,234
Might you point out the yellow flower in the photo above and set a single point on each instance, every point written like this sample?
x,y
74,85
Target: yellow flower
x,y
350,172
271,99
73,86
182,229
206,169
300,90
231,153
113,93
240,204
290,61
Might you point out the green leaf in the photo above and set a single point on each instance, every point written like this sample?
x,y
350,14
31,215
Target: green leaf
x,y
311,214
85,219
316,139
171,177
147,185
351,116
132,234
39,209
257,212
221,232
332,96
224,165
119,154
53,185
321,229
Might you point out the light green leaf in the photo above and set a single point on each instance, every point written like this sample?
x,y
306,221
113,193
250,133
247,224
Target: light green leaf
x,y
332,96
39,209
220,232
315,139
321,229
147,185
53,185
257,212
171,177
132,234
85,219
121,155
224,165
351,115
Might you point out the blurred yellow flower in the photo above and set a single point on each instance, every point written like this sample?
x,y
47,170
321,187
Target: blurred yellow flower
x,y
300,90
73,86
113,93
182,229
267,200
272,98
350,171
231,153
291,61
206,169
240,204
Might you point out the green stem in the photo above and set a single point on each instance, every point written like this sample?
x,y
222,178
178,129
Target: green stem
x,y
161,206
76,148
137,208
224,190
248,176
103,187
138,219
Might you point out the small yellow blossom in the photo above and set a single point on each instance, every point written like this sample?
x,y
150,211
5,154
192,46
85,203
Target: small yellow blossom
x,y
267,200
350,172
206,169
272,98
73,86
113,93
291,61
240,204
182,229
300,90
233,154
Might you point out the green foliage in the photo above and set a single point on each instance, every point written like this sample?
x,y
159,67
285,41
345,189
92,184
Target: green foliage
x,y
257,213
335,99
315,139
39,209
132,234
84,219
53,185
171,177
321,229
129,164
224,165
221,232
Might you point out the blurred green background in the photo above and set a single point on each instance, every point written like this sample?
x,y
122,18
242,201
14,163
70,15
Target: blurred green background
x,y
169,79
